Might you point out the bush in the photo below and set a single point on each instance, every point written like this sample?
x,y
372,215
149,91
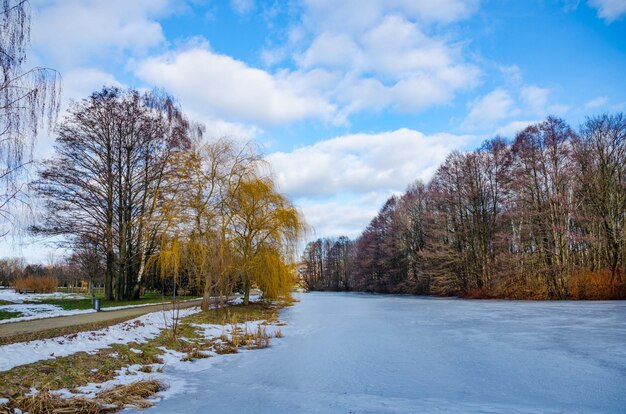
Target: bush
x,y
37,284
596,286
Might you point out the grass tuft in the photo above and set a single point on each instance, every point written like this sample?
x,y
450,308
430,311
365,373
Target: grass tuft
x,y
133,395
46,402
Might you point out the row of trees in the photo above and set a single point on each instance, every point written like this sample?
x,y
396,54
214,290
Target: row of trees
x,y
543,216
133,187
68,272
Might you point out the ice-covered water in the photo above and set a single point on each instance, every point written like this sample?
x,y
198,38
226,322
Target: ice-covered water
x,y
361,353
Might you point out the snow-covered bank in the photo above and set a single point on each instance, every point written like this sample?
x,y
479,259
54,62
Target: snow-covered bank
x,y
137,330
33,310
390,354
173,363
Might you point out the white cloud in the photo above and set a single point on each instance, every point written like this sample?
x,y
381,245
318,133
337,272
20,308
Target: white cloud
x,y
512,75
331,49
242,7
73,32
512,128
221,86
79,82
609,10
351,56
597,102
381,53
506,110
489,109
355,15
345,217
218,128
341,183
535,98
362,163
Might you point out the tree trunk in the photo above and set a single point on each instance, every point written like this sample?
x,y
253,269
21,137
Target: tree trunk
x,y
246,292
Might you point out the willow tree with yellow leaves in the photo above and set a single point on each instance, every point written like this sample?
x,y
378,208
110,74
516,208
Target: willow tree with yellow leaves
x,y
266,228
228,225
215,172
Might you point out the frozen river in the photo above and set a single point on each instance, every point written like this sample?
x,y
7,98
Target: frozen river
x,y
356,353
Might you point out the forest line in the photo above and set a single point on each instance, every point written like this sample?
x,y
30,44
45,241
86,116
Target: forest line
x,y
540,217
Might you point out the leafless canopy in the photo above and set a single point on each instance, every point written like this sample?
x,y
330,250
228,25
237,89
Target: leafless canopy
x,y
28,97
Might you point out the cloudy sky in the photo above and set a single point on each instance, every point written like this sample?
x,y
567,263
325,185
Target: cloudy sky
x,y
350,100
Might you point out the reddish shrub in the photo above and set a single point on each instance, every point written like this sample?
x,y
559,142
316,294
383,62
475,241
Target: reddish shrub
x,y
596,286
37,284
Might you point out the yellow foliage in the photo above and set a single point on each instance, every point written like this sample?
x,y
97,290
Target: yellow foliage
x,y
227,223
267,228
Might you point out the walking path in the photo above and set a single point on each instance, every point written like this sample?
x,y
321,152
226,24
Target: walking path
x,y
38,325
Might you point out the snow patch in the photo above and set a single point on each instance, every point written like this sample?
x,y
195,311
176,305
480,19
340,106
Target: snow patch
x,y
138,330
38,311
11,295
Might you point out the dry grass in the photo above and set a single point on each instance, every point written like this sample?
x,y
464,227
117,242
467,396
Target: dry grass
x,y
37,284
240,313
131,395
241,337
76,370
123,396
80,369
46,402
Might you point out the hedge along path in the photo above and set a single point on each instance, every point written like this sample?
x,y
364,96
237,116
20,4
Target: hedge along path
x,y
45,324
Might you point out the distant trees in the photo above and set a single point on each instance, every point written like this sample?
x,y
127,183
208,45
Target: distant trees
x,y
327,264
10,269
27,97
542,217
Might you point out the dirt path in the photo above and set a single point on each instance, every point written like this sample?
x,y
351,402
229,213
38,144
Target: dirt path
x,y
38,325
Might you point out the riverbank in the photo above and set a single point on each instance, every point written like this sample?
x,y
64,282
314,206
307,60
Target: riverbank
x,y
84,371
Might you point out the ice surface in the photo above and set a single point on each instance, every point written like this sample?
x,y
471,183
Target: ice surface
x,y
381,354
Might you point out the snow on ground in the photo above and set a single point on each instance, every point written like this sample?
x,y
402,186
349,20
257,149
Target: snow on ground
x,y
138,330
32,311
239,299
11,295
172,360
112,308
38,311
401,354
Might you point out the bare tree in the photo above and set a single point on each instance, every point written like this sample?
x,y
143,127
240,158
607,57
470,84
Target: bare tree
x,y
109,177
601,157
27,98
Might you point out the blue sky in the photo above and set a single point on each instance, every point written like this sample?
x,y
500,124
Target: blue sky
x,y
350,101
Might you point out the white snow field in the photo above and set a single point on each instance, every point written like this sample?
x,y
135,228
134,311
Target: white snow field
x,y
363,353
